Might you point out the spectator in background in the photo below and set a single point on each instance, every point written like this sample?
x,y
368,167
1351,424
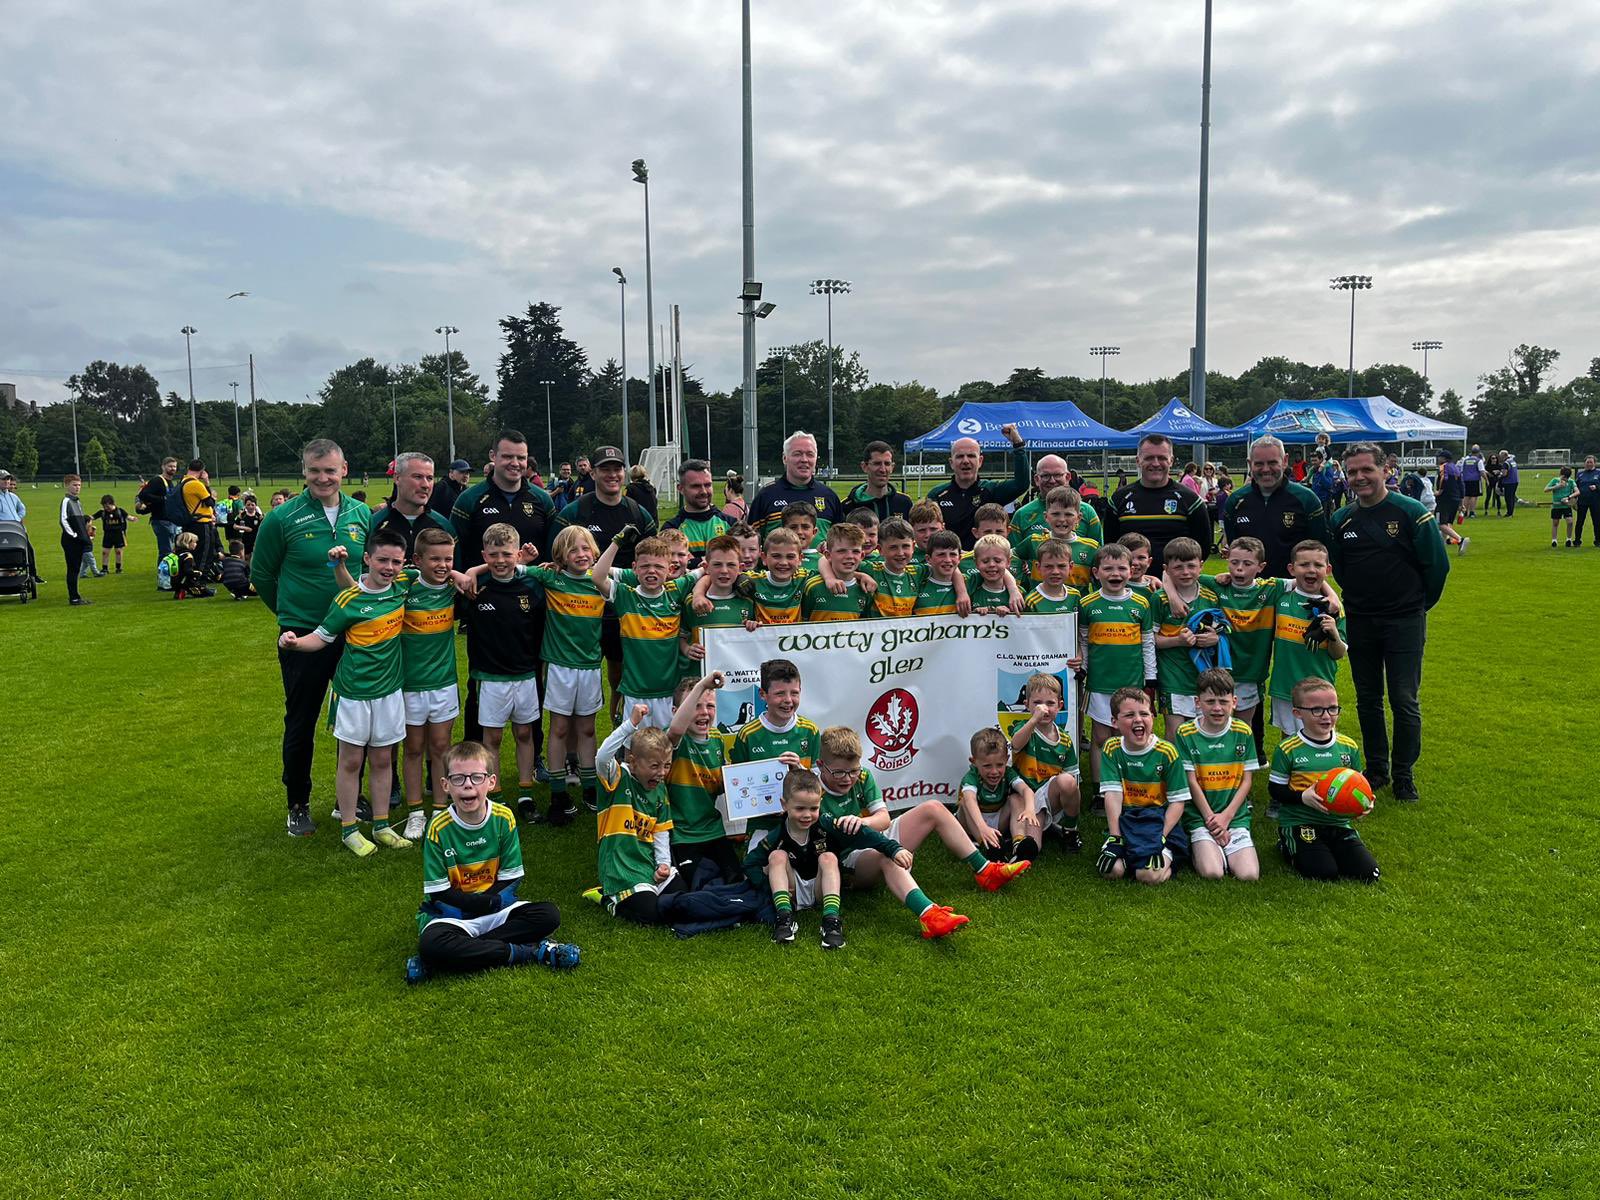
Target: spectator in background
x,y
201,506
1417,485
1322,477
152,502
1191,478
583,481
560,489
1494,472
113,531
279,496
1450,495
1508,485
641,491
449,488
1588,501
1272,508
246,524
13,509
77,539
733,505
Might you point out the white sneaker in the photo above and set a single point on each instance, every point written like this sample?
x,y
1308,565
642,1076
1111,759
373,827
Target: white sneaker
x,y
1461,546
416,825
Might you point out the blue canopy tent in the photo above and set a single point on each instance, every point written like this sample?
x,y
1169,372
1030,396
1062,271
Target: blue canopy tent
x,y
1050,425
1362,419
1182,424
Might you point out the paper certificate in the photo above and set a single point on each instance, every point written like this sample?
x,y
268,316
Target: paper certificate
x,y
753,789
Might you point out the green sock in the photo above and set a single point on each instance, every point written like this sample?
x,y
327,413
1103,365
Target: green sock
x,y
917,901
783,902
1067,822
586,778
976,861
346,830
830,905
379,823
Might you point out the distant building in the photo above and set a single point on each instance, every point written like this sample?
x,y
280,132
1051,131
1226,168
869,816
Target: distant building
x,y
9,401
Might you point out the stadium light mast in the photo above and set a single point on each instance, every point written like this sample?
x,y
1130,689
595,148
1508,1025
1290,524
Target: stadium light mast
x,y
750,292
641,174
1102,353
1197,367
238,444
549,439
1425,347
188,332
622,281
449,389
830,288
1351,284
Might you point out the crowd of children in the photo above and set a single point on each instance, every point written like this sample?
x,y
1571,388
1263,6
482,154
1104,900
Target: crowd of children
x,y
1200,651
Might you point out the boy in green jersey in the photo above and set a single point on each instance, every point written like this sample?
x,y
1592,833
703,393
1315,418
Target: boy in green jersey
x,y
1219,757
634,824
1138,548
780,732
649,615
1318,844
725,607
1562,489
868,520
802,522
1308,641
1046,756
995,804
749,546
1175,667
1116,640
1145,789
471,919
366,711
991,585
1052,594
896,578
943,590
1063,514
428,660
850,600
680,553
925,520
694,782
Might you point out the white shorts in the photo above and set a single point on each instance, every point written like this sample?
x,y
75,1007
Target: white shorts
x,y
572,691
432,708
502,700
478,926
660,715
1246,695
1238,839
1182,706
1100,707
1283,717
804,892
380,722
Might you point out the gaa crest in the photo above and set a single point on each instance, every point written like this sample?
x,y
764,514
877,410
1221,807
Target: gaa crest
x,y
891,727
1392,528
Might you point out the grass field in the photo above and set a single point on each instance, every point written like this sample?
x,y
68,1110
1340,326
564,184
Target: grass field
x,y
196,1005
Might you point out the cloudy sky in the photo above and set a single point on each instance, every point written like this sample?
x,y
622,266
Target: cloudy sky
x,y
1005,183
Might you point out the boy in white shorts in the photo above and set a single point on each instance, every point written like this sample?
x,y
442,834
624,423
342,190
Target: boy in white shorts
x,y
1219,756
649,613
365,709
996,806
428,665
1182,591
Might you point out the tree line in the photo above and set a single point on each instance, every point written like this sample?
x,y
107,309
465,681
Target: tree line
x,y
126,425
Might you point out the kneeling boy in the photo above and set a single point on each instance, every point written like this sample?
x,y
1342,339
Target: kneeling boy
x,y
1317,843
1219,758
1144,789
1048,761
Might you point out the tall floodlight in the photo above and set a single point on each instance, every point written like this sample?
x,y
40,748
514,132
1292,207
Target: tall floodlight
x,y
641,174
449,389
1351,284
238,445
1425,347
622,281
1197,369
549,438
830,288
188,332
750,292
1103,353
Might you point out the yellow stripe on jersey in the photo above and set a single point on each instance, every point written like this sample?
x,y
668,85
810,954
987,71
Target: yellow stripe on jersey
x,y
1291,628
823,614
475,877
429,620
778,614
1115,633
685,773
1249,620
650,629
376,631
575,604
893,606
1301,780
620,820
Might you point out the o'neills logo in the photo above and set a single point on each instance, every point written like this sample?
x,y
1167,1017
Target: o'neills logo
x,y
891,726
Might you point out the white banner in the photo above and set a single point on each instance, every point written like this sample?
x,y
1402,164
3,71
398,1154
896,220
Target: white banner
x,y
916,689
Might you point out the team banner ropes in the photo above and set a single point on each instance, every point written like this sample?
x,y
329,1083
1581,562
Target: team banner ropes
x,y
915,690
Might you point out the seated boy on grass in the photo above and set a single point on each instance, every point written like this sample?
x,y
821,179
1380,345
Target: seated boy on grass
x,y
1145,789
997,806
1219,758
1047,760
471,919
634,822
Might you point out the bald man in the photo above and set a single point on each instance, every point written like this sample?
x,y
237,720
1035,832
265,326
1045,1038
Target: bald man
x,y
962,497
1051,472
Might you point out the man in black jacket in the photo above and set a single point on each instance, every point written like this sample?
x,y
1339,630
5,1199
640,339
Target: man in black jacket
x,y
1156,506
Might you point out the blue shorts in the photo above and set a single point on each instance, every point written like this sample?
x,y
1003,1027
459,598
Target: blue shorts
x,y
1141,835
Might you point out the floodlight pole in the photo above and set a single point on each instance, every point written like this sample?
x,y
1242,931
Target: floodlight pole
x,y
238,445
1351,284
449,389
1197,370
641,174
1424,347
622,281
748,315
194,424
255,421
1104,352
549,437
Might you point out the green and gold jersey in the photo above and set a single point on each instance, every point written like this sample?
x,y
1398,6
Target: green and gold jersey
x,y
428,638
897,594
1030,519
990,800
1148,778
1037,602
1292,659
486,857
1083,552
625,826
819,603
864,798
1219,762
1251,610
726,612
1174,665
573,608
1114,630
1042,760
649,627
693,785
934,599
370,667
983,595
777,603
699,529
1300,762
758,740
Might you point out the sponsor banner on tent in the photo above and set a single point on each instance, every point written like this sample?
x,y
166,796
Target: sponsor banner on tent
x,y
915,690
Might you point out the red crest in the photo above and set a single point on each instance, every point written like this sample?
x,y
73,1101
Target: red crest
x,y
891,725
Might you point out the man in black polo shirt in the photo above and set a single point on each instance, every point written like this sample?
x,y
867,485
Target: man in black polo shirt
x,y
604,512
1389,558
878,493
1273,508
506,495
966,493
797,485
1156,506
407,510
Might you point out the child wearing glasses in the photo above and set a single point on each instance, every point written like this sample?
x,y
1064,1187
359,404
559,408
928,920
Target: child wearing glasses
x,y
1315,842
471,919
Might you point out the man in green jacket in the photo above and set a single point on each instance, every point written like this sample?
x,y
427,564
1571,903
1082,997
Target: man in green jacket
x,y
295,579
1388,555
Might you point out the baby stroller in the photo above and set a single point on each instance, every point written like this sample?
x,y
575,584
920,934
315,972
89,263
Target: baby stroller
x,y
15,577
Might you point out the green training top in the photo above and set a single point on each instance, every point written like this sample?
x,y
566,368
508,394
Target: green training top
x,y
1040,761
370,667
863,798
1174,665
475,859
1148,778
819,603
990,800
290,567
1115,630
1292,659
1251,610
649,627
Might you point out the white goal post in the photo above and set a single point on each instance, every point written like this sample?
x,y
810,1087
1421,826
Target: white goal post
x,y
1549,458
660,465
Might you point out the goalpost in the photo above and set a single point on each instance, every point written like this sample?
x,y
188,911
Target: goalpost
x,y
660,465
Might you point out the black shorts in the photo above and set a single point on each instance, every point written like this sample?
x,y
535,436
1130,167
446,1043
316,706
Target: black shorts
x,y
611,638
1473,487
113,541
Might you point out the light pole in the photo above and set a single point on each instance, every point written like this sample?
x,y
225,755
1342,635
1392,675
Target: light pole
x,y
751,291
394,416
1351,284
1103,353
1197,367
830,288
238,444
549,440
622,281
194,424
76,468
783,388
641,174
449,389
708,432
1425,347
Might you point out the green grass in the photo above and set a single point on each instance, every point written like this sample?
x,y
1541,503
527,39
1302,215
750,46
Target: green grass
x,y
196,1005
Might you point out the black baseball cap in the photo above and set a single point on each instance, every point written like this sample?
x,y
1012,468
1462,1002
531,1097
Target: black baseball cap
x,y
608,454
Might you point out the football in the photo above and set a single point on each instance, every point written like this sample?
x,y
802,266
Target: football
x,y
1345,792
